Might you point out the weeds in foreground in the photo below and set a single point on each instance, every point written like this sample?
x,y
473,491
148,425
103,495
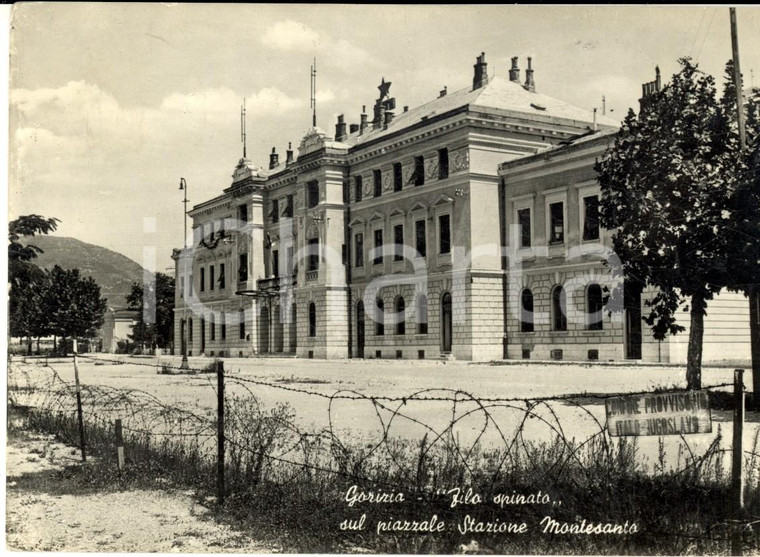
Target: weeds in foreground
x,y
294,487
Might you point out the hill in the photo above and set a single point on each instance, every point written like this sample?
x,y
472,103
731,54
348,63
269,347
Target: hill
x,y
113,271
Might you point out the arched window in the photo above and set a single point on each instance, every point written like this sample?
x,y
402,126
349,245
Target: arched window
x,y
241,324
223,326
312,320
594,305
526,311
400,316
380,318
559,305
212,326
422,314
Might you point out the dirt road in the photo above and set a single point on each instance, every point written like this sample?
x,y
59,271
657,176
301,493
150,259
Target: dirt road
x,y
47,509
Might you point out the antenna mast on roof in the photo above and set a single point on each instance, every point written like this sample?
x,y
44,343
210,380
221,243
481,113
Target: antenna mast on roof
x,y
242,128
314,93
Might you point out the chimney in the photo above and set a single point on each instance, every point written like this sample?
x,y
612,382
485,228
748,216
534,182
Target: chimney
x,y
274,159
481,73
388,119
649,89
530,85
514,71
363,125
443,92
353,128
289,154
340,129
380,108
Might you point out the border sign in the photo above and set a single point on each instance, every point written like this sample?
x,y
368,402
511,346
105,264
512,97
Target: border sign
x,y
678,413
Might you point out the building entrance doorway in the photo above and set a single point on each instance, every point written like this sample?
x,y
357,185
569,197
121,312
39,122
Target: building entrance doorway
x,y
293,329
632,300
360,330
183,337
446,328
264,330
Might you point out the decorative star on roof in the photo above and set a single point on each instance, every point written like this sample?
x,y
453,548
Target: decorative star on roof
x,y
384,88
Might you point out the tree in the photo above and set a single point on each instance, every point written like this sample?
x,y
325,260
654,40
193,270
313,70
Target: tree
x,y
668,184
26,311
18,254
157,330
744,233
75,306
26,314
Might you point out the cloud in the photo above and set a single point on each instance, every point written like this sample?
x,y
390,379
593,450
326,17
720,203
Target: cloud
x,y
348,54
222,102
325,95
290,35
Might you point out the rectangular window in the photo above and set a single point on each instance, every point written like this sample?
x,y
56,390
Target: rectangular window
x,y
211,232
523,220
419,171
241,325
556,223
358,188
398,240
443,164
377,177
222,278
275,210
359,250
591,218
398,180
288,210
243,213
444,234
212,327
420,236
243,267
223,327
190,284
312,194
313,255
203,279
211,277
275,263
378,247
182,288
221,228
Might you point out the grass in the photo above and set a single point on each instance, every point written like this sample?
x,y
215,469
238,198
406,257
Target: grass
x,y
290,486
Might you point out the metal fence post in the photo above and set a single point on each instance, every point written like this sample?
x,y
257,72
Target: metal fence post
x,y
220,431
79,402
119,446
737,476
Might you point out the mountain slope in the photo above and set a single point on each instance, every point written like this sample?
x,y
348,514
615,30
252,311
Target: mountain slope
x,y
113,271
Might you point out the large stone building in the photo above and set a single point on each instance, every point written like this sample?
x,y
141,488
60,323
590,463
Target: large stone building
x,y
393,238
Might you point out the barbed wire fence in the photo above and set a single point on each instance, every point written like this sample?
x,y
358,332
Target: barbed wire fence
x,y
490,442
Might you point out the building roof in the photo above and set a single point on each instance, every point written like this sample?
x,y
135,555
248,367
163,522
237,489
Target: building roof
x,y
500,94
599,138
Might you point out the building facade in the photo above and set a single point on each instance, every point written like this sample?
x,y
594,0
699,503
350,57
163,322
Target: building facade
x,y
392,238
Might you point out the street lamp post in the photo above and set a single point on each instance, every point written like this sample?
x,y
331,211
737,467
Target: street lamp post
x,y
184,364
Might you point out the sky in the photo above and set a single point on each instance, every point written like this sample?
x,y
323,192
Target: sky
x,y
110,104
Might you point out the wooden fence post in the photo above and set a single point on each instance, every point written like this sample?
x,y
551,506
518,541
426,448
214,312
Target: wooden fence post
x,y
119,446
220,431
737,476
79,402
